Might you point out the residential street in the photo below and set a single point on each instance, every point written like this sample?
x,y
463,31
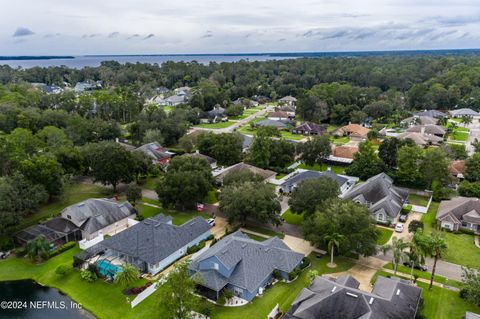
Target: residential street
x,y
474,134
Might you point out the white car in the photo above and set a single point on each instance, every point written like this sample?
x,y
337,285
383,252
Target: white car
x,y
399,227
211,221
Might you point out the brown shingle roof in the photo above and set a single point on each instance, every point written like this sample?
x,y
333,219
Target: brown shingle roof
x,y
456,167
279,114
344,151
354,129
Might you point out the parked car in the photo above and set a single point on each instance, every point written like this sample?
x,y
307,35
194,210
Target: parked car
x,y
399,227
417,266
211,221
4,254
403,218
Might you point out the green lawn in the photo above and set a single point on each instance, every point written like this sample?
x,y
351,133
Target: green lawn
x,y
246,129
291,218
418,200
211,197
281,293
461,247
316,167
339,140
178,218
256,237
150,182
385,235
216,125
167,109
280,175
102,299
264,231
458,135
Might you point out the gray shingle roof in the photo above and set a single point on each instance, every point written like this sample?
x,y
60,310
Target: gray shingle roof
x,y
265,173
463,112
94,214
155,151
277,124
431,113
424,120
154,239
427,129
252,261
378,192
288,98
461,208
420,139
209,159
302,176
391,298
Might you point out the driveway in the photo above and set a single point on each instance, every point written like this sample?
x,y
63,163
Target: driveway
x,y
405,235
363,271
221,225
474,134
299,245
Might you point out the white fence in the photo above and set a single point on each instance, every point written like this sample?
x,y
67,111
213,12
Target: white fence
x,y
147,292
85,244
274,312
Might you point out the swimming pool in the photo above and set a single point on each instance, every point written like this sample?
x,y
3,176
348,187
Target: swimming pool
x,y
107,269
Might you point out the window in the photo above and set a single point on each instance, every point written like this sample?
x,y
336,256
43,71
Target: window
x,y
381,217
69,217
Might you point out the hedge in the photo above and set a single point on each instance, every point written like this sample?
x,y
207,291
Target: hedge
x,y
63,248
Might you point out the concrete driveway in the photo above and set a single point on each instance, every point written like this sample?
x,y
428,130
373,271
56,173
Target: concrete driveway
x,y
300,245
221,225
405,235
363,271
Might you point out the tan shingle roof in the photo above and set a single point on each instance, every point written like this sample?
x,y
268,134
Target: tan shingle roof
x,y
344,151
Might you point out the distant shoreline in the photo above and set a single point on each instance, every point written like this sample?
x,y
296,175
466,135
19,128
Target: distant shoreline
x,y
39,57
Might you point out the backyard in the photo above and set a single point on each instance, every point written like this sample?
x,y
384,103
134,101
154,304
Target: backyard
x,y
316,167
292,218
178,217
246,129
216,125
418,200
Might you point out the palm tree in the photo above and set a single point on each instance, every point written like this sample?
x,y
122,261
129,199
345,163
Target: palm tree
x,y
467,119
397,247
334,240
38,248
418,249
127,276
437,246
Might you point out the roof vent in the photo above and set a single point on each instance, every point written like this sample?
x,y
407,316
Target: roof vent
x,y
371,301
334,288
81,204
352,295
398,292
244,245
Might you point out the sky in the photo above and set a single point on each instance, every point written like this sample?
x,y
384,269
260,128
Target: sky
x,y
65,27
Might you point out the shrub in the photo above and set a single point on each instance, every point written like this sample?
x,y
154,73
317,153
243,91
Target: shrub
x,y
414,225
62,270
63,248
88,276
466,231
293,274
305,263
228,294
194,249
6,243
406,210
276,274
20,252
206,308
468,189
211,237
140,217
221,300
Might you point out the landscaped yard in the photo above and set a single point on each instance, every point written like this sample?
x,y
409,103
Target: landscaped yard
x,y
458,135
150,182
216,125
385,235
281,293
246,129
462,249
178,218
212,197
339,140
418,200
264,231
316,167
291,218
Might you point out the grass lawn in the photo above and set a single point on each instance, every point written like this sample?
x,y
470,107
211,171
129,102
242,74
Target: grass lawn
x,y
316,167
216,125
167,109
281,293
458,135
211,197
340,140
257,238
385,235
462,249
418,200
291,218
178,218
264,231
102,299
73,193
150,182
280,175
285,134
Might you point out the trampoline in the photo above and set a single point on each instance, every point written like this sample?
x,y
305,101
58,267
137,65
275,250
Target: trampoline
x,y
107,269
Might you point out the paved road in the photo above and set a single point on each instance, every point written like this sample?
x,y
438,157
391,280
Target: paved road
x,y
474,134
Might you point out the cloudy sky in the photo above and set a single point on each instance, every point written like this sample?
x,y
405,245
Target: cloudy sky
x,y
34,27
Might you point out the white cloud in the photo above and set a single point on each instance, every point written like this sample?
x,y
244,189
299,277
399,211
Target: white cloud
x,y
201,26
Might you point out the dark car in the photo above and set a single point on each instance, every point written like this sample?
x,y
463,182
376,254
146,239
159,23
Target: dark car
x,y
403,218
417,266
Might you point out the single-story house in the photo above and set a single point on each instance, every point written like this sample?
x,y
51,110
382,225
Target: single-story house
x,y
383,199
245,102
96,216
289,109
420,120
309,128
211,161
280,125
431,113
247,140
87,86
287,100
342,154
341,298
457,168
429,129
174,100
421,139
217,114
354,131
278,116
161,90
463,112
262,99
459,212
266,174
344,183
158,154
154,243
184,90
243,265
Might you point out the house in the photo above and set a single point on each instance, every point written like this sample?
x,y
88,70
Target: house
x,y
383,199
262,99
97,216
342,154
341,298
266,174
420,120
354,131
289,109
463,112
245,102
183,90
279,125
243,265
471,315
278,116
217,114
459,213
57,232
86,86
158,154
173,100
210,160
247,140
154,243
421,139
344,183
429,129
457,168
287,100
431,113
309,128
161,90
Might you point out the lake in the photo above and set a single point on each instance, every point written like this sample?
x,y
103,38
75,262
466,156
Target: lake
x,y
37,302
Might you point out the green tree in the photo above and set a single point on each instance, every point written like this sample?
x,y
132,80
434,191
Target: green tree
x,y
365,162
437,172
408,159
178,294
37,249
258,201
311,193
45,171
397,247
333,240
153,135
472,168
315,150
467,119
54,138
388,150
241,176
346,218
437,246
134,193
471,285
127,276
226,148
